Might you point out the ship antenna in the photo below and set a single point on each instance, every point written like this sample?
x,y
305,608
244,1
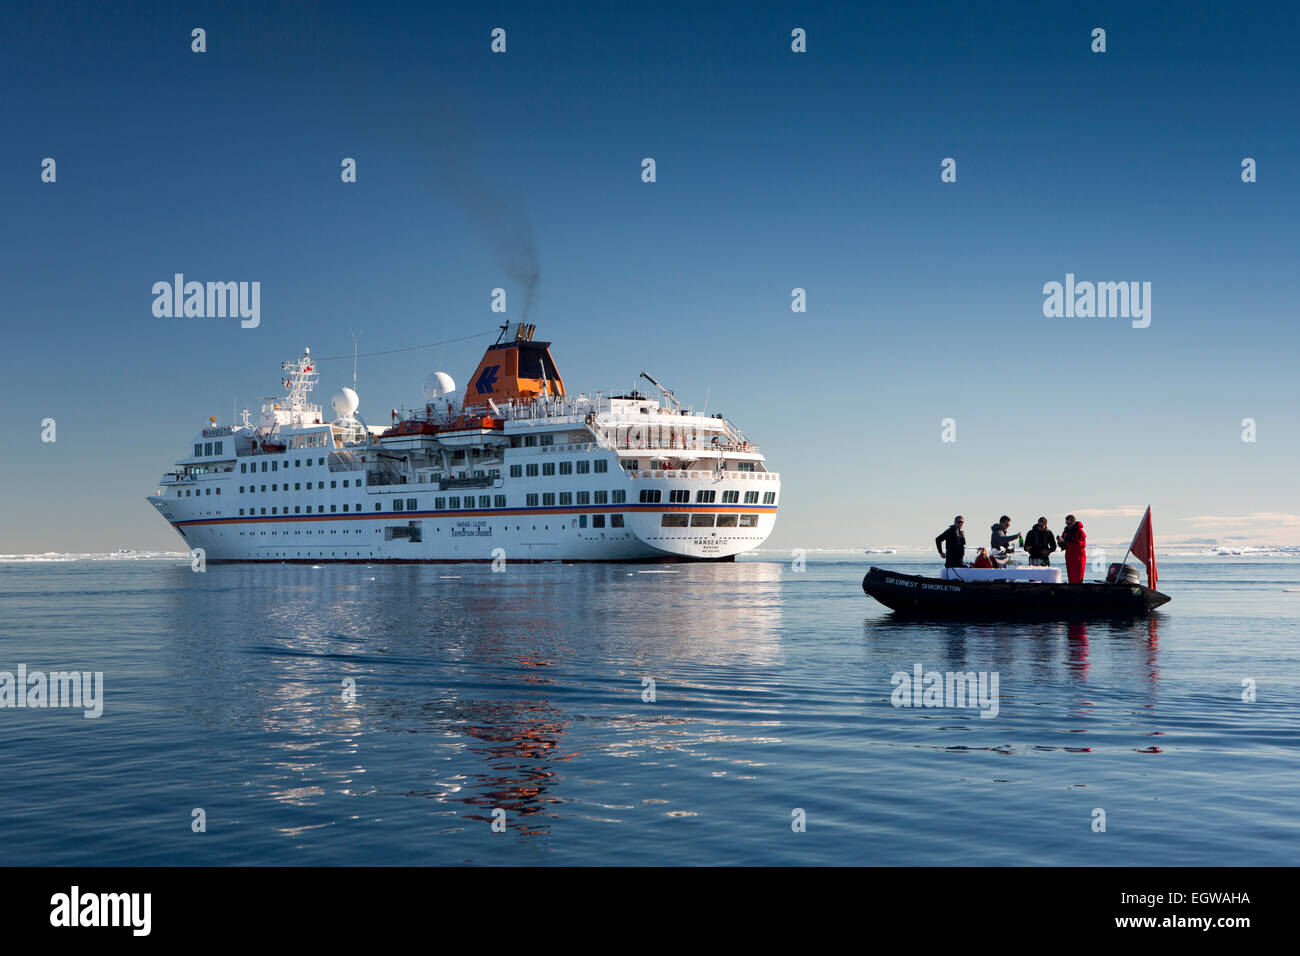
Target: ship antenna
x,y
356,337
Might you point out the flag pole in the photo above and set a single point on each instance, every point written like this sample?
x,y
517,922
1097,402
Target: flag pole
x,y
1130,544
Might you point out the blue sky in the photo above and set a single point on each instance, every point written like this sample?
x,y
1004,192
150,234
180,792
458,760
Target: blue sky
x,y
775,170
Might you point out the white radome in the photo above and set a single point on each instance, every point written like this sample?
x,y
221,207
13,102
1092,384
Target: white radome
x,y
345,402
438,385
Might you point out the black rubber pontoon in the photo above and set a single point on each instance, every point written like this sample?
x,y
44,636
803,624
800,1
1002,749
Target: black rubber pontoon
x,y
915,596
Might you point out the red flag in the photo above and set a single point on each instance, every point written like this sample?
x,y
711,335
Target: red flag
x,y
1144,548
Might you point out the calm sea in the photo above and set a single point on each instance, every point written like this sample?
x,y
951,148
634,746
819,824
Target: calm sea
x,y
521,696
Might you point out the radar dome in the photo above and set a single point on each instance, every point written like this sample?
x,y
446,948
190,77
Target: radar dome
x,y
438,385
345,402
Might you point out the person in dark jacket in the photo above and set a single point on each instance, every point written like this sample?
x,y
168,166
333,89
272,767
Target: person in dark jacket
x,y
1074,543
955,541
1001,539
1002,542
1039,544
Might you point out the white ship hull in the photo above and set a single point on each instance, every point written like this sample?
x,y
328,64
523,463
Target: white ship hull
x,y
540,477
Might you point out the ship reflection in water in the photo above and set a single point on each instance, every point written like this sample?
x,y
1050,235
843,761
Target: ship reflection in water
x,y
491,671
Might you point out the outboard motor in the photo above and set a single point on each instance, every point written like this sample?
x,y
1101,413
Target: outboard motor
x,y
1123,574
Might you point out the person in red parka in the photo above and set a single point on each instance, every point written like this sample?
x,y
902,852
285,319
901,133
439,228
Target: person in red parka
x,y
1073,542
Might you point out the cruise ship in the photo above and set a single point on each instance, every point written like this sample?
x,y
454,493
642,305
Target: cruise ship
x,y
516,470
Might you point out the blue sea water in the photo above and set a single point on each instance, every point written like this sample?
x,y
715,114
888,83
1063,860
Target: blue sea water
x,y
523,692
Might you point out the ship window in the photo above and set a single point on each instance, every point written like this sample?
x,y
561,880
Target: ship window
x,y
769,498
584,497
548,439
500,501
601,466
674,521
320,461
532,501
679,496
532,471
241,489
295,509
412,504
207,491
263,511
241,511
345,507
198,450
548,468
584,467
582,521
397,504
217,448
264,467
207,448
650,496
275,464
218,491
566,497
598,521
744,466
730,497
629,464
273,511
439,503
702,521
600,497
485,501
548,498
334,484
566,467
751,497
749,521
345,482
516,471
333,508
379,506
616,521
243,467
297,486
726,521
530,440
617,496
705,497
275,487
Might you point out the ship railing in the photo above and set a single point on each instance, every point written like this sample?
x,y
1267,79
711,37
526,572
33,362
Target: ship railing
x,y
451,484
685,445
345,461
728,474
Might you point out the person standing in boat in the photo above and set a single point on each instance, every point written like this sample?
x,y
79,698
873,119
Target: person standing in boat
x,y
955,541
1040,543
1002,542
1074,543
